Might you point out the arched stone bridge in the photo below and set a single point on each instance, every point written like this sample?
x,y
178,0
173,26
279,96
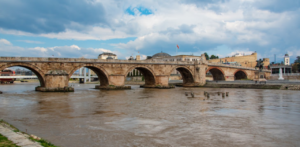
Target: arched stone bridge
x,y
56,72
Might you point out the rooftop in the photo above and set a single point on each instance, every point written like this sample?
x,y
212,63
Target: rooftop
x,y
161,55
108,53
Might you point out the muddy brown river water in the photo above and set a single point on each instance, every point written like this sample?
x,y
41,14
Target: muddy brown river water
x,y
154,117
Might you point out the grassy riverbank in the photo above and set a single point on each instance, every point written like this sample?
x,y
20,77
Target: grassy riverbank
x,y
4,142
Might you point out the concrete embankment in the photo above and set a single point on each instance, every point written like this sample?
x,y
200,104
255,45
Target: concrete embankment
x,y
250,86
246,86
21,138
290,87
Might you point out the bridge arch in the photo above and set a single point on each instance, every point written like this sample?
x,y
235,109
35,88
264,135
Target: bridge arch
x,y
147,72
186,73
38,72
217,73
99,71
240,74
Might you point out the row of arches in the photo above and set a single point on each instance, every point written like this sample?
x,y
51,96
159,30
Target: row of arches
x,y
102,75
187,76
218,74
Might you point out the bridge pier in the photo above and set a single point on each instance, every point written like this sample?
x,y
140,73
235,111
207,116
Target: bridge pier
x,y
56,81
114,82
162,80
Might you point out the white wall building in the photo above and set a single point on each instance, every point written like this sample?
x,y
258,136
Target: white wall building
x,y
107,55
286,59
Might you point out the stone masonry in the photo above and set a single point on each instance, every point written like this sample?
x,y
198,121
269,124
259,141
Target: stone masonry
x,y
54,73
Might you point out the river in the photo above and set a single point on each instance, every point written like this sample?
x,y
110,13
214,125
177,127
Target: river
x,y
154,117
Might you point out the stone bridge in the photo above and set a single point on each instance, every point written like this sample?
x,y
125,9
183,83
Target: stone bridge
x,y
55,73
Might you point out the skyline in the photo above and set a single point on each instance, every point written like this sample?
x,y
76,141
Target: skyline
x,y
86,28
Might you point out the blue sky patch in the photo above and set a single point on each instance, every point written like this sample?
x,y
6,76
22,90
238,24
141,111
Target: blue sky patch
x,y
142,10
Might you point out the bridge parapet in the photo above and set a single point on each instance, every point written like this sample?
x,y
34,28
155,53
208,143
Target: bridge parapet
x,y
232,66
85,60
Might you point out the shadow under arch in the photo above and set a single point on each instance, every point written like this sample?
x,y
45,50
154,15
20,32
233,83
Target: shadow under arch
x,y
146,72
240,74
101,73
218,74
38,72
187,76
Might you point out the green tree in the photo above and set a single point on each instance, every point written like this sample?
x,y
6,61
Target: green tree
x,y
296,65
214,57
206,56
295,68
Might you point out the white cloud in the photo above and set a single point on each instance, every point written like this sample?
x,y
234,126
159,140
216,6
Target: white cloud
x,y
234,23
57,51
75,47
5,42
31,41
41,49
100,50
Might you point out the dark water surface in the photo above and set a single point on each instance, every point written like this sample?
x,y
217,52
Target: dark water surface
x,y
154,117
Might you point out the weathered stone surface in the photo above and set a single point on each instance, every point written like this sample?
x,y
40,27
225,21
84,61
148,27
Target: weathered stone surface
x,y
291,87
54,73
17,137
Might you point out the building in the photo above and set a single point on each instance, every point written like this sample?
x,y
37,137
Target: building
x,y
166,57
284,66
107,55
286,59
243,60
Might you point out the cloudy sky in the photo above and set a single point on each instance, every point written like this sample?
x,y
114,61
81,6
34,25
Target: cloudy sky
x,y
86,28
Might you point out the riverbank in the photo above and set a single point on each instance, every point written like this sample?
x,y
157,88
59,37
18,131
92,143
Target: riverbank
x,y
5,142
11,136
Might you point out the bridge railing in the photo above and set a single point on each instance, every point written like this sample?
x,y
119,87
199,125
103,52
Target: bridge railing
x,y
234,66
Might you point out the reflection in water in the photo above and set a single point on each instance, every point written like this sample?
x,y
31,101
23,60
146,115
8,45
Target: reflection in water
x,y
154,117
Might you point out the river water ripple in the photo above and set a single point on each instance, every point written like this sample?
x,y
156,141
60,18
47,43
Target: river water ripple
x,y
154,117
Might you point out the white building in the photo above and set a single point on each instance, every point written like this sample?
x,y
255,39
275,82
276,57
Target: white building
x,y
107,55
286,59
166,57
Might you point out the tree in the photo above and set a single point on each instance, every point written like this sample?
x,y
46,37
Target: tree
x,y
206,56
214,57
297,60
295,68
296,65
